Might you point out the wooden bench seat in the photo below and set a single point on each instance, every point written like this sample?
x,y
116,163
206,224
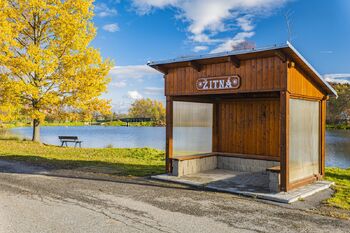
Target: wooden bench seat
x,y
189,157
275,169
236,155
72,139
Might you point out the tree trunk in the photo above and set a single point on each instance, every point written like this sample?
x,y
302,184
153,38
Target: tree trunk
x,y
36,130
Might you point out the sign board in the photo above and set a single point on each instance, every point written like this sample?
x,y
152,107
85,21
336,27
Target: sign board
x,y
218,83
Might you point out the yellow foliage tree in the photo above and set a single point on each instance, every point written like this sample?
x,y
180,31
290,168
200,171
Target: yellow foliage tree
x,y
46,63
148,108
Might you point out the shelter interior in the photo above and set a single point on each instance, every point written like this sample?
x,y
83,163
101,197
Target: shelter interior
x,y
258,111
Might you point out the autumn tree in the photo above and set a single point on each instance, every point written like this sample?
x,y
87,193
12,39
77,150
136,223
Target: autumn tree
x,y
47,63
338,109
149,109
8,101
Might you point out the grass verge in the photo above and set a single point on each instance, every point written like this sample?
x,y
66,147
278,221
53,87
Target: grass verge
x,y
341,197
117,161
127,162
338,126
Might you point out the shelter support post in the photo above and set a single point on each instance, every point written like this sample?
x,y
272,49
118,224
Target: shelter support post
x,y
215,144
169,134
322,136
284,136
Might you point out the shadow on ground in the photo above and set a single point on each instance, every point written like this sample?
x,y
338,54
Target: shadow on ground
x,y
122,169
86,170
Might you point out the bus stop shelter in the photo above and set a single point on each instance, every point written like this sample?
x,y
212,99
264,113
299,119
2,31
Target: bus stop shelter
x,y
253,111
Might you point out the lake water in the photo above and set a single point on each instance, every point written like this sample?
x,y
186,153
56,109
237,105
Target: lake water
x,y
337,148
102,136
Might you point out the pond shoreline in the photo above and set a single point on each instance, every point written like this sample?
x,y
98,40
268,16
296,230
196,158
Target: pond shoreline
x,y
338,126
337,148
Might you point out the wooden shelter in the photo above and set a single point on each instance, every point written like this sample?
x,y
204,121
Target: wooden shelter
x,y
259,110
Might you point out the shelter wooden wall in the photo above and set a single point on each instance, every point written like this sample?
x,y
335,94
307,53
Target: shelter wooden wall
x,y
300,84
250,127
254,128
258,74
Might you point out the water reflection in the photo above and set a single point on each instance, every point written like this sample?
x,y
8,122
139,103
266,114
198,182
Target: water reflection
x,y
338,148
101,136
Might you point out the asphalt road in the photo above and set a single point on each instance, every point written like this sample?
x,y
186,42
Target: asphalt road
x,y
33,199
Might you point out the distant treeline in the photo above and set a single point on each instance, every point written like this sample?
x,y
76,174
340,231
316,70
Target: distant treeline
x,y
143,108
338,110
153,110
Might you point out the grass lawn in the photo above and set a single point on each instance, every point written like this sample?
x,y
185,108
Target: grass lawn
x,y
341,177
125,162
118,161
338,126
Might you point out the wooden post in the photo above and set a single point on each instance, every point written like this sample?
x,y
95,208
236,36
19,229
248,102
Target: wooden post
x,y
284,140
215,134
169,134
322,135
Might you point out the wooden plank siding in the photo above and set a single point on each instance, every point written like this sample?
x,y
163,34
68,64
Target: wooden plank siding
x,y
257,75
251,121
301,85
249,127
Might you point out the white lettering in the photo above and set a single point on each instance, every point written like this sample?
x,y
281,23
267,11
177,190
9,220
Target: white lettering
x,y
214,83
222,84
205,84
228,83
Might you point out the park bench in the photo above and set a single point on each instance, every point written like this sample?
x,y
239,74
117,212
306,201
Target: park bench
x,y
66,139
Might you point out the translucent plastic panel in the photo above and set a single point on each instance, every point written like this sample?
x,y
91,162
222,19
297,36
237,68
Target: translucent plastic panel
x,y
192,128
303,139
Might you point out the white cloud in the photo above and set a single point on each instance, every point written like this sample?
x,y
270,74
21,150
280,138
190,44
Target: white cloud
x,y
327,51
200,48
337,78
145,6
207,18
113,27
132,71
245,23
201,38
153,90
120,106
102,10
134,95
230,44
118,84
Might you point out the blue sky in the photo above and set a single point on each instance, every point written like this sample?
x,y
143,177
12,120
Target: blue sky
x,y
136,31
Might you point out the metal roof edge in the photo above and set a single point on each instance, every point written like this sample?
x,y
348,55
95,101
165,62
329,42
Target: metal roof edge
x,y
312,69
214,55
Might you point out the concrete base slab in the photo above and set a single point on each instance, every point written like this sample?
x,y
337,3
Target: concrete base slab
x,y
198,179
243,183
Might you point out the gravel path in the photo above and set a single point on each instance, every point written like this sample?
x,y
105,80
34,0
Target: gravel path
x,y
33,199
